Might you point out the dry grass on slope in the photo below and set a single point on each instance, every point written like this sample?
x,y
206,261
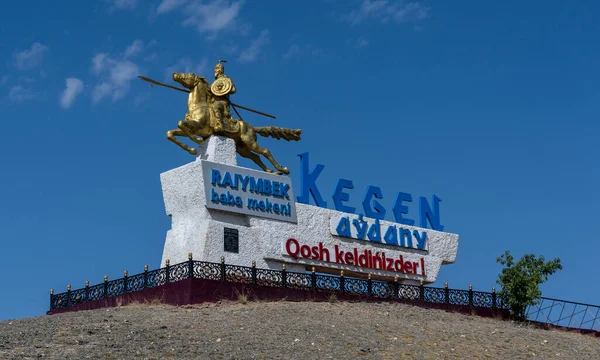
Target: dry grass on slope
x,y
284,330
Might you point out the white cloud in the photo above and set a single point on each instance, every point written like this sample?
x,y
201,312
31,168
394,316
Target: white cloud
x,y
19,93
386,11
123,4
73,88
135,48
115,76
251,53
361,42
99,62
100,91
169,5
295,50
292,51
152,58
208,17
230,48
30,58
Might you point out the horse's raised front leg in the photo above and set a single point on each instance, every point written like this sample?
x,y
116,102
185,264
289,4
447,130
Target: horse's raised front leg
x,y
178,132
266,153
184,126
245,152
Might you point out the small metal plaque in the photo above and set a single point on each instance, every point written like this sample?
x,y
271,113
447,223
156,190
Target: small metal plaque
x,y
231,239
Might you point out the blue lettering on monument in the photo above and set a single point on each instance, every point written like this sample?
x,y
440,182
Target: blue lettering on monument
x,y
269,207
249,184
339,196
395,235
428,215
307,182
399,209
248,192
377,211
226,198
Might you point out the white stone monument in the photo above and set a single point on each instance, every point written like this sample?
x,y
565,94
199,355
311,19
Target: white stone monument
x,y
202,199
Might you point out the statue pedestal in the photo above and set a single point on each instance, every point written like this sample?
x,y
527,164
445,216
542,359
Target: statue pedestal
x,y
254,229
218,149
200,230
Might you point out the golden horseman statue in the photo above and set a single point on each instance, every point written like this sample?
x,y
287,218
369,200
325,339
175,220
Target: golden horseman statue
x,y
208,114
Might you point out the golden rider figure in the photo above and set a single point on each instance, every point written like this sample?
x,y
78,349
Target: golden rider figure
x,y
221,88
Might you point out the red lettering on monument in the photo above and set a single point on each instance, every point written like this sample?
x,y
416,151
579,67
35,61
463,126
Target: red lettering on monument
x,y
364,259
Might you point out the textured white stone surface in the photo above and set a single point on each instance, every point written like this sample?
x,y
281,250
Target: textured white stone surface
x,y
218,149
199,230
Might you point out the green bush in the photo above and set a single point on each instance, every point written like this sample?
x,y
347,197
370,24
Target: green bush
x,y
520,281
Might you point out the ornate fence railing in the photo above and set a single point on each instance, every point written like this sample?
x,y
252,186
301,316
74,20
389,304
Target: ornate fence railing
x,y
549,311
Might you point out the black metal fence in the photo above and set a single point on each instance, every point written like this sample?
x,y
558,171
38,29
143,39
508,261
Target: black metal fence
x,y
565,313
575,315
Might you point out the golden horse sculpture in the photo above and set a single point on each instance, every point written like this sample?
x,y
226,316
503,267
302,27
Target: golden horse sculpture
x,y
199,124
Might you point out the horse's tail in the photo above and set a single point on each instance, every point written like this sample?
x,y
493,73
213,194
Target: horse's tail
x,y
279,133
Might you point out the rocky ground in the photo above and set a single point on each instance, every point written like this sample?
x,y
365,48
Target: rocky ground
x,y
284,330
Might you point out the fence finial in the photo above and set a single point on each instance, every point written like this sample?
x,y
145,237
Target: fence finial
x,y
51,291
87,283
105,278
283,266
396,278
190,256
342,273
167,262
313,269
470,287
125,273
69,287
493,289
446,285
421,282
253,263
222,259
145,267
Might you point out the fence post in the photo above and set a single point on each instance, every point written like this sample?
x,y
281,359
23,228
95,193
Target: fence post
x,y
145,276
87,290
105,295
51,298
68,295
396,288
168,267
494,298
313,279
470,294
125,281
190,266
446,293
342,282
253,272
421,291
369,286
222,268
283,276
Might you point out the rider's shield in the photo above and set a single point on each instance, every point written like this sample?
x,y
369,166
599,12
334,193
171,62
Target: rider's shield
x,y
221,86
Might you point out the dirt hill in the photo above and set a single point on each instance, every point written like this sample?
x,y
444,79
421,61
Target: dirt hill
x,y
284,330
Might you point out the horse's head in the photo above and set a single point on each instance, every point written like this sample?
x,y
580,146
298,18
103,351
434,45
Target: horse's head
x,y
189,80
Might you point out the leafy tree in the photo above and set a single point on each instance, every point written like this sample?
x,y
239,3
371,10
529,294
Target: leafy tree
x,y
520,281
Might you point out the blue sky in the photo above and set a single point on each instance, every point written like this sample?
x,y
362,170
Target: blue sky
x,y
492,107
